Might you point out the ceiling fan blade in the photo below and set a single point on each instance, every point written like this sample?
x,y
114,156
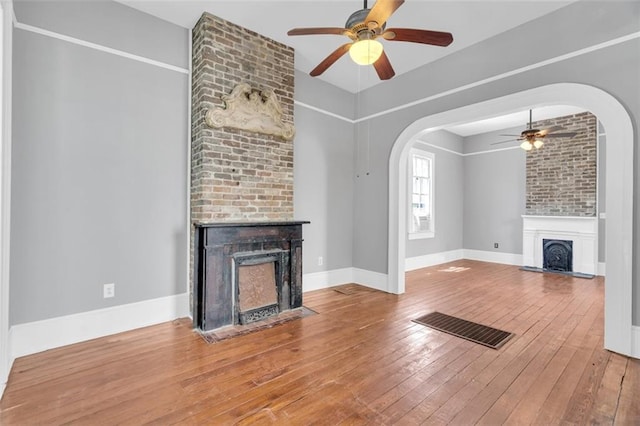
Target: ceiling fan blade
x,y
382,10
383,67
561,135
504,134
329,60
436,38
501,142
551,130
319,30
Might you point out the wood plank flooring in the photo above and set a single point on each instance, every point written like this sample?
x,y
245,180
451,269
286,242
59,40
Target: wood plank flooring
x,y
360,360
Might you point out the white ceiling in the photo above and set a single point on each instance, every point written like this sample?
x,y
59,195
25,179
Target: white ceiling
x,y
469,21
516,119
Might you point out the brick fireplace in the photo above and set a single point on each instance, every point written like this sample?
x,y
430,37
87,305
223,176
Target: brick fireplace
x,y
561,203
246,248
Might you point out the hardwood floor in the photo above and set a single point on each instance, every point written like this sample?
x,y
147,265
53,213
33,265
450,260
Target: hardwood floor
x,y
361,360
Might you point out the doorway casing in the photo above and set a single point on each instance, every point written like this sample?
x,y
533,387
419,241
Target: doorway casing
x,y
618,326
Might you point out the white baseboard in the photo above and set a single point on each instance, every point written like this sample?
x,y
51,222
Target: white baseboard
x,y
371,279
635,341
325,279
417,262
5,379
493,257
38,336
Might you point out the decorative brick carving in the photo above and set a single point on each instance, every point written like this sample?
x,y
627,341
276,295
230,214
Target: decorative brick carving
x,y
239,175
562,175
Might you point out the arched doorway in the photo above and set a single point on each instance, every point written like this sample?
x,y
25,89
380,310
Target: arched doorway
x,y
619,188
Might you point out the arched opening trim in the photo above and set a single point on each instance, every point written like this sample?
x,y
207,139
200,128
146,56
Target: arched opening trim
x,y
619,189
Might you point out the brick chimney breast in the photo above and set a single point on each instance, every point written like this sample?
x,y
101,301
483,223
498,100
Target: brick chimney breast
x,y
239,175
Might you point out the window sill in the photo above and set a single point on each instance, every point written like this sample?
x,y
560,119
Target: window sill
x,y
421,235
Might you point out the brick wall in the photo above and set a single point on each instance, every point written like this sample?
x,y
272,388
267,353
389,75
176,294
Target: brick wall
x,y
561,176
238,175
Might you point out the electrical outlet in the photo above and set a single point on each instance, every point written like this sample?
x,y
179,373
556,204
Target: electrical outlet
x,y
109,290
320,261
495,245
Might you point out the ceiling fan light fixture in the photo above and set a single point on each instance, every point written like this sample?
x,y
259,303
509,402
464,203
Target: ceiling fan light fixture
x,y
362,28
365,52
538,143
526,145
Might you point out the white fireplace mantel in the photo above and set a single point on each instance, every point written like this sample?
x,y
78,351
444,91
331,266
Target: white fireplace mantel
x,y
583,231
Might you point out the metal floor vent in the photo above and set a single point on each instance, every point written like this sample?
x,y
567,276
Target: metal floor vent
x,y
474,332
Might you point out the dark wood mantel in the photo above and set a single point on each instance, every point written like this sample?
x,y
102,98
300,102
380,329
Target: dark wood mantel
x,y
221,248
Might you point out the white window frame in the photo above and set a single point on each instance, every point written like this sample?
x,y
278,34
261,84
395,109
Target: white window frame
x,y
415,235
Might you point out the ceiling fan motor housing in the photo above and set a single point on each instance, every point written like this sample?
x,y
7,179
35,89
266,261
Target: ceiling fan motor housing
x,y
356,23
530,133
357,17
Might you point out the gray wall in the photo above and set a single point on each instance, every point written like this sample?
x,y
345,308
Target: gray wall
x,y
100,146
323,96
614,69
99,172
323,169
491,194
494,192
373,144
323,173
448,193
109,24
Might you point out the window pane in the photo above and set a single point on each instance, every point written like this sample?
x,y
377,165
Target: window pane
x,y
421,193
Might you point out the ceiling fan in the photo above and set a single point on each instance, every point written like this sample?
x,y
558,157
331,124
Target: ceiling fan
x,y
364,27
534,138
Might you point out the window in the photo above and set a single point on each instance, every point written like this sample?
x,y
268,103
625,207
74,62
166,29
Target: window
x,y
421,220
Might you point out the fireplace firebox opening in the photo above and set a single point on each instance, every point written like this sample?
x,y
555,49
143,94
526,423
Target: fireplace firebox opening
x,y
557,255
260,286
